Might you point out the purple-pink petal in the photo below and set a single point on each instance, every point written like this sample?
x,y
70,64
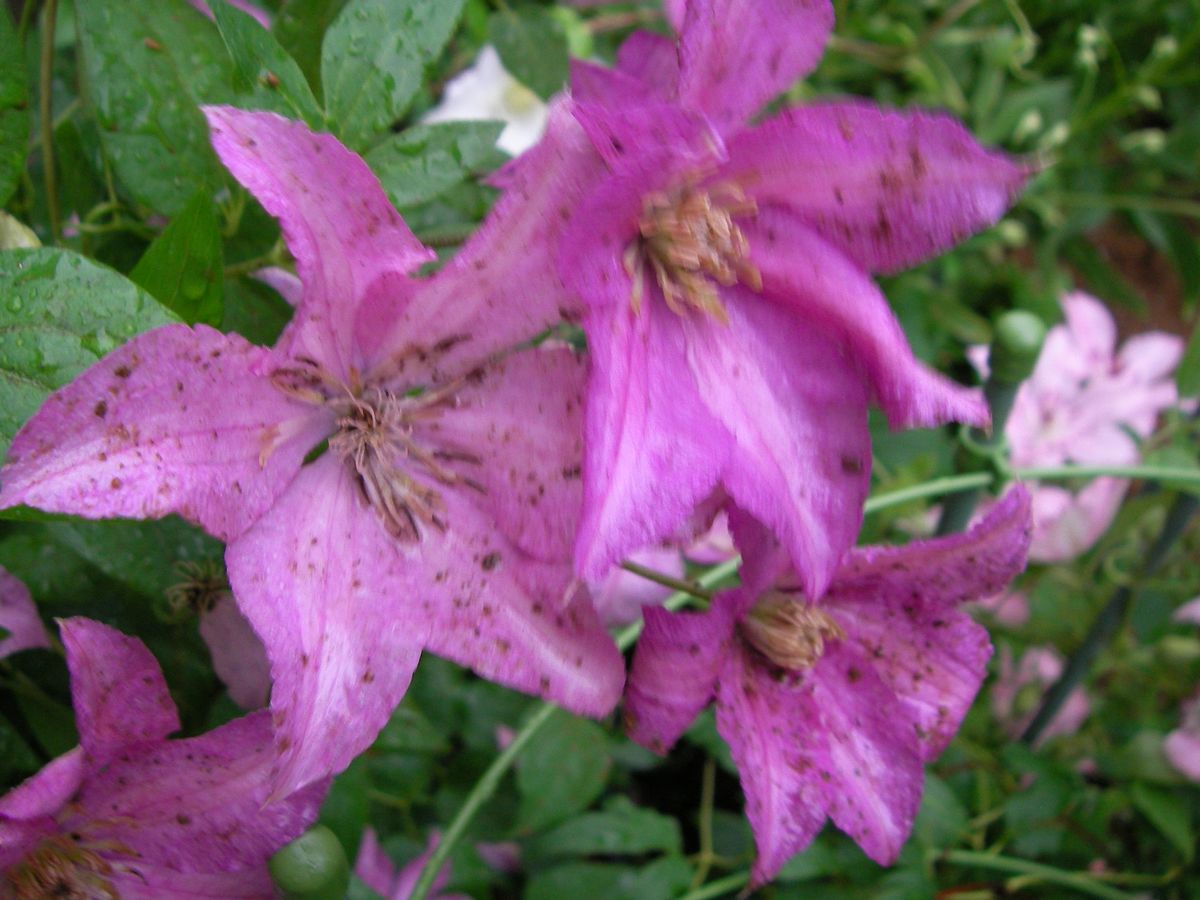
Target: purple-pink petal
x,y
19,617
338,223
652,448
735,55
238,656
887,188
827,290
797,410
322,583
772,733
117,689
676,666
196,805
178,420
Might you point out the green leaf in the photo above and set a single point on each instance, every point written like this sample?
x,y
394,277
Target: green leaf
x,y
264,69
147,66
374,57
51,722
140,555
1170,813
942,818
419,164
662,879
533,47
561,772
184,269
17,760
1102,279
14,109
1187,376
622,828
59,314
300,25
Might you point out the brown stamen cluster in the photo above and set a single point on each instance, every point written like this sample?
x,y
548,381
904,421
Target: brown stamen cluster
x,y
375,434
202,584
789,631
690,238
61,868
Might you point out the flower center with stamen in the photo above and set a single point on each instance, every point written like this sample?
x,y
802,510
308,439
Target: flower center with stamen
x,y
376,433
693,244
788,631
202,583
59,867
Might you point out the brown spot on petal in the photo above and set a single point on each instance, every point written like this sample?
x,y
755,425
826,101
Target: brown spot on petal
x,y
490,562
100,409
122,371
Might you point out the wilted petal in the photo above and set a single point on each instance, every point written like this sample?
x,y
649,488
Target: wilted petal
x,y
887,188
678,660
319,579
196,805
827,290
522,420
797,409
735,55
117,689
652,450
178,420
875,768
18,617
774,733
337,221
238,656
512,619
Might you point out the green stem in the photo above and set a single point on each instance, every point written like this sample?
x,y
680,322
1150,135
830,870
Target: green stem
x,y
1179,516
1178,474
938,487
718,888
1173,205
480,794
45,94
704,824
676,584
1080,881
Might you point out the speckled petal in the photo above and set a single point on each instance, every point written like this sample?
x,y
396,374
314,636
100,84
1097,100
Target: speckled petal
x,y
196,805
336,219
875,767
827,290
178,420
887,188
117,689
773,731
519,424
676,664
898,607
653,451
148,882
735,55
796,405
19,617
318,579
510,618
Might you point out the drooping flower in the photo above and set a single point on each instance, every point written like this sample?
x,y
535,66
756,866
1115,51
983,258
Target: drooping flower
x,y
1019,686
1080,405
441,511
831,707
486,90
378,872
21,627
132,814
735,333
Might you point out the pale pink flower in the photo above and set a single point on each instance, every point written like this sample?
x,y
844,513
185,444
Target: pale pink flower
x,y
18,617
1182,746
1019,688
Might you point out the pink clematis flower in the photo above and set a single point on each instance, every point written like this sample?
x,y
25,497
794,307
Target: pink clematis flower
x,y
21,627
378,873
131,814
1182,746
735,332
1079,406
442,509
831,707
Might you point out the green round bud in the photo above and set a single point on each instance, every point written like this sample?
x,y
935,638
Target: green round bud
x,y
1016,345
312,867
